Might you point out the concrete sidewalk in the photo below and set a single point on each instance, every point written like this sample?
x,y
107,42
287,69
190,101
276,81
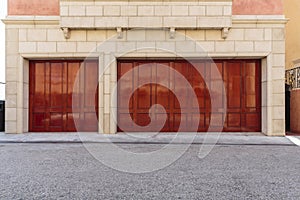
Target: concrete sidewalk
x,y
146,138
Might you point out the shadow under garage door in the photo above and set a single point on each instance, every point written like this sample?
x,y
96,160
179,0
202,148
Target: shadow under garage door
x,y
55,104
242,80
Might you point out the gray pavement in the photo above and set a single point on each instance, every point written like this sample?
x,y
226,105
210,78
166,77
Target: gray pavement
x,y
69,171
162,138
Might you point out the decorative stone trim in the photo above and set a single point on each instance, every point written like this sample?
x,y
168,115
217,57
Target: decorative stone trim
x,y
259,19
32,20
225,32
120,33
106,14
67,33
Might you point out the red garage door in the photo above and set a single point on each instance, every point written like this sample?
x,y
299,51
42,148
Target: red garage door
x,y
52,107
242,80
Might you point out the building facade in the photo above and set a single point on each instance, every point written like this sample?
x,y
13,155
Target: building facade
x,y
67,64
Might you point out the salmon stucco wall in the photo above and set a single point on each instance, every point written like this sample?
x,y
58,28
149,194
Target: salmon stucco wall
x,y
33,7
292,12
294,111
257,7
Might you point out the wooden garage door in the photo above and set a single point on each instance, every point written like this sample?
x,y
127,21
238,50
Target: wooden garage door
x,y
242,80
52,107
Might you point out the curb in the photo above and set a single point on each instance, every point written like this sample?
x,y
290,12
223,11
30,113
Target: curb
x,y
210,139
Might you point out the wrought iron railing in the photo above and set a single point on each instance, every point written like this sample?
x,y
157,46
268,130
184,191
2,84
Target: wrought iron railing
x,y
292,78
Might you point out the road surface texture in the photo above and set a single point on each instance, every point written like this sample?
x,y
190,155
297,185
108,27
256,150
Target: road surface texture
x,y
69,171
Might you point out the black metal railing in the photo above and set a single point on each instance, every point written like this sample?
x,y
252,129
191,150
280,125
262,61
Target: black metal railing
x,y
292,78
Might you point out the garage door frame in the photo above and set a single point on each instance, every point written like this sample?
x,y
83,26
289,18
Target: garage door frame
x,y
66,107
244,109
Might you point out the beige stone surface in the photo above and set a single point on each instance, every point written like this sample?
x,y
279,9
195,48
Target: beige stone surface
x,y
278,47
215,11
180,10
94,10
66,47
268,34
278,86
45,47
244,46
225,46
96,35
77,10
11,114
10,126
254,34
145,10
98,23
263,46
64,10
112,10
127,10
278,73
279,60
11,48
278,34
86,46
100,10
236,34
278,127
205,46
195,34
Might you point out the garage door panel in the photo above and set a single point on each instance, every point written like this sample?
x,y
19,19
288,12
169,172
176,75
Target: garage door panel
x,y
252,121
163,95
90,121
143,119
39,119
56,119
198,84
123,103
234,120
39,88
213,71
180,120
196,121
72,90
90,83
56,85
160,117
144,75
250,101
161,76
59,96
242,86
70,120
144,97
251,85
233,85
182,101
218,102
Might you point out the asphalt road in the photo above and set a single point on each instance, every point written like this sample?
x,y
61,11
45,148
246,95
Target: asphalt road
x,y
68,171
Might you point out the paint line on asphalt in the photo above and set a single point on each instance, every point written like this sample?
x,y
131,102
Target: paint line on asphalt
x,y
294,140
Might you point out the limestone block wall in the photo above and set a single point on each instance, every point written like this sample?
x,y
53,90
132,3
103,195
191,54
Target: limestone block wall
x,y
94,23
46,41
151,14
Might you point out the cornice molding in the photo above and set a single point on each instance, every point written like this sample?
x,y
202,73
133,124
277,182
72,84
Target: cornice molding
x,y
259,19
32,20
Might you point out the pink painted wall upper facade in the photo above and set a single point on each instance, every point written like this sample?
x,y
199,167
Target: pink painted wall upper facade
x,y
33,7
51,7
257,7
